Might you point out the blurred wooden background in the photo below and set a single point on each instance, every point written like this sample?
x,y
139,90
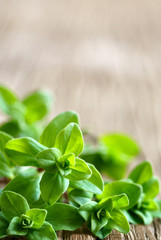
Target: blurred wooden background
x,y
100,58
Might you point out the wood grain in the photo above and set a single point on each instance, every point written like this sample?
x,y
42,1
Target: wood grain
x,y
100,58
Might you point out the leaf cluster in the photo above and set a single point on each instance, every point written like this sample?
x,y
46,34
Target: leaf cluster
x,y
57,156
148,207
111,154
24,116
54,185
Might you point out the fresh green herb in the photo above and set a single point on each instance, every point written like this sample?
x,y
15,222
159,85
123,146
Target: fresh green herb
x,y
105,215
61,162
59,190
147,207
19,220
65,163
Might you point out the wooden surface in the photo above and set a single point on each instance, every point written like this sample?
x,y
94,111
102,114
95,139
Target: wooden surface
x,y
100,58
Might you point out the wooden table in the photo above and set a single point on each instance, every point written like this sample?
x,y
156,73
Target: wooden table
x,y
100,58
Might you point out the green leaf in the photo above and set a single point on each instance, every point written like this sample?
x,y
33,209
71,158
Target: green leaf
x,y
80,171
106,204
11,127
46,232
119,201
124,146
151,188
119,187
3,225
145,216
80,197
39,203
70,140
26,183
17,112
37,216
52,186
47,158
7,99
55,126
13,204
5,166
64,217
23,151
33,130
150,205
94,155
114,169
157,213
118,221
15,228
38,104
86,210
11,105
141,173
4,138
103,232
5,163
120,149
93,184
132,218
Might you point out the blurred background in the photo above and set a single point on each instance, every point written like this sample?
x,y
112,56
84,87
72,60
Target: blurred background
x,y
99,58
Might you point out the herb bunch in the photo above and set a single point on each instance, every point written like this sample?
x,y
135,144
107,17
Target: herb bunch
x,y
50,185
